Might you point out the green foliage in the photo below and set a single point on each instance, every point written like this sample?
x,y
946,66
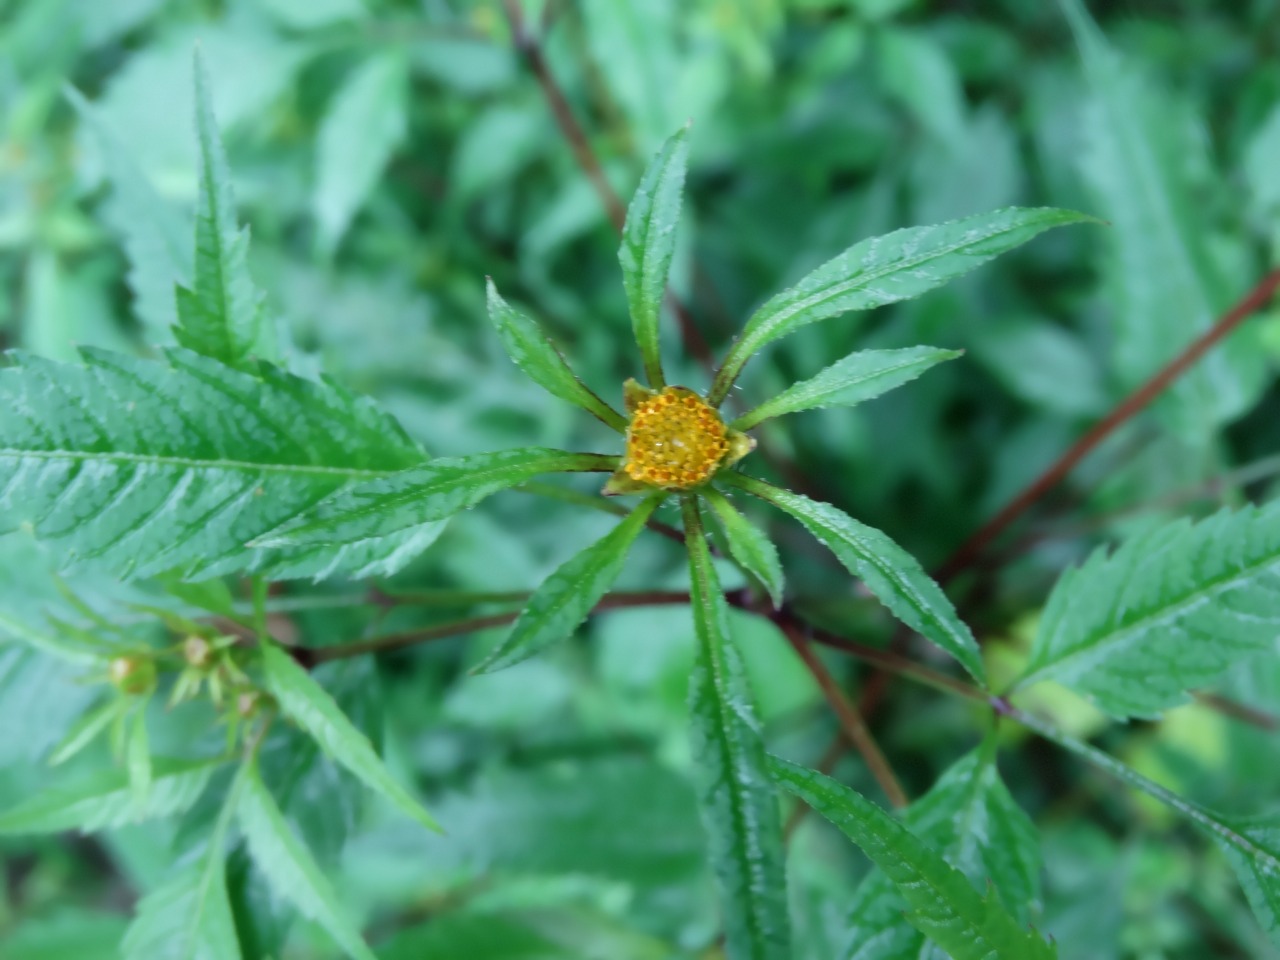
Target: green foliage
x,y
749,546
1259,871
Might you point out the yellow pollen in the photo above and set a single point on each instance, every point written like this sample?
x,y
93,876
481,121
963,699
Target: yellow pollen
x,y
675,440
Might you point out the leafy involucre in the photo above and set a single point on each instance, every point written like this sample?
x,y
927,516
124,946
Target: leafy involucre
x,y
221,314
1169,611
423,494
151,468
106,800
290,868
533,353
739,807
648,243
565,598
896,266
889,572
748,545
309,706
943,905
972,821
860,376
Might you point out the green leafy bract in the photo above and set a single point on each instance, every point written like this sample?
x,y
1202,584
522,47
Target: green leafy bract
x,y
565,598
896,266
309,706
943,905
431,492
220,315
648,244
889,572
739,808
537,356
1169,611
860,376
148,468
748,545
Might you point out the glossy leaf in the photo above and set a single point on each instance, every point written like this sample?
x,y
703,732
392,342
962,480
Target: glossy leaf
x,y
889,572
149,468
942,904
106,800
896,266
565,598
1169,611
648,244
857,378
739,806
748,545
537,356
308,705
220,315
433,491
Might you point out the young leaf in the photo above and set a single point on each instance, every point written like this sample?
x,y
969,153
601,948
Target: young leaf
x,y
106,800
889,572
896,266
138,759
533,353
943,905
309,706
748,545
648,244
1169,611
430,492
859,377
151,468
220,315
565,598
86,729
1259,876
364,123
290,868
739,809
969,818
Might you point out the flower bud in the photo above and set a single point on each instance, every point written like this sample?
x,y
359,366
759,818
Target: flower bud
x,y
197,651
132,675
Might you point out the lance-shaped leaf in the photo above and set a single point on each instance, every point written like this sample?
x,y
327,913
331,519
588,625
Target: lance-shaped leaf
x,y
970,819
106,800
150,468
1169,611
889,572
860,376
942,904
220,315
542,363
739,807
648,243
1259,875
748,545
310,706
289,867
432,491
565,598
896,266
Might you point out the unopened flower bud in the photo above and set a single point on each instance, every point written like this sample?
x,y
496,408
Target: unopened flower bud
x,y
132,675
198,651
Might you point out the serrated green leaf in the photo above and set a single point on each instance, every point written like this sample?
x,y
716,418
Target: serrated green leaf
x,y
889,572
1260,877
363,125
565,598
541,362
106,800
648,244
969,818
861,376
1169,611
944,906
309,706
748,545
739,808
220,315
433,491
85,730
149,468
896,266
290,868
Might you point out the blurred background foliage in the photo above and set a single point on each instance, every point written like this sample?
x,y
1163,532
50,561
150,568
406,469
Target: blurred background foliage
x,y
389,154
